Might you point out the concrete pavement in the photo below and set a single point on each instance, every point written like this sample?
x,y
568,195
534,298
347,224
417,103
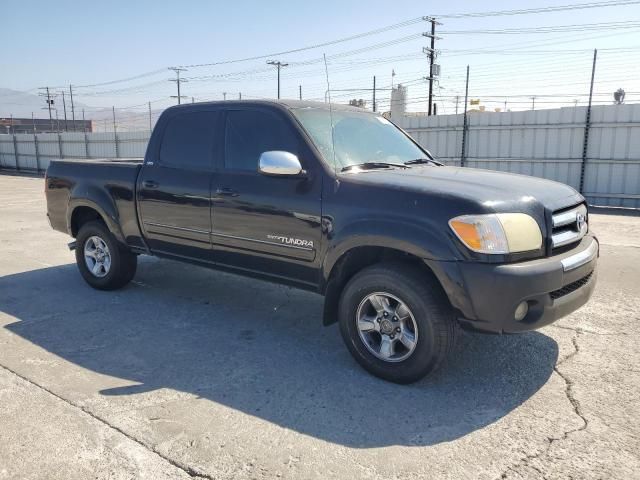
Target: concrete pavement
x,y
193,373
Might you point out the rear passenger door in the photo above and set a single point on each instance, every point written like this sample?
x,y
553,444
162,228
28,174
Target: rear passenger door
x,y
267,224
174,188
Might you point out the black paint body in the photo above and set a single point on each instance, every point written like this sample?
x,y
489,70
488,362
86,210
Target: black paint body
x,y
228,219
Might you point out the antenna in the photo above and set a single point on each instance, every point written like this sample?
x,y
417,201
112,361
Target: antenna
x,y
333,143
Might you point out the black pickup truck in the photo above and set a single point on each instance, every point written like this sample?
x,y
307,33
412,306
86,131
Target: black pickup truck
x,y
341,202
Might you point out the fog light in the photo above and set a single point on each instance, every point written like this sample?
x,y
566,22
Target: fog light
x,y
521,311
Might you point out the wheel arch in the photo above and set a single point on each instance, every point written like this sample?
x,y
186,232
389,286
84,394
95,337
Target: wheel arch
x,y
354,260
82,211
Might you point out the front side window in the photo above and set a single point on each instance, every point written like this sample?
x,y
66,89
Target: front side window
x,y
188,140
249,133
359,137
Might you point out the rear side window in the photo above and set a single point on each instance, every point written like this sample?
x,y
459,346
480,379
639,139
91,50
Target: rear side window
x,y
188,140
249,133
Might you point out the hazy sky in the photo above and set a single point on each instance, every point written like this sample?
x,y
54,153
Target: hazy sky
x,y
86,43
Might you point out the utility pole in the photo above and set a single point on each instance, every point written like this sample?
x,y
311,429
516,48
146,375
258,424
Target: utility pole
x,y
374,93
431,51
49,103
178,80
457,100
57,122
224,95
35,143
73,112
431,59
115,132
464,122
279,65
64,106
239,95
533,103
587,124
300,91
84,125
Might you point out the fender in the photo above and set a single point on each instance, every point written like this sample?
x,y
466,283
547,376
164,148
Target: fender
x,y
99,200
425,240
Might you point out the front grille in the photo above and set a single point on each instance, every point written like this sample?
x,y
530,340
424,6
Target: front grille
x,y
568,226
571,287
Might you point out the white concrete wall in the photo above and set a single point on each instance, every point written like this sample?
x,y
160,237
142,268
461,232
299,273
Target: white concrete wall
x,y
542,143
68,145
545,143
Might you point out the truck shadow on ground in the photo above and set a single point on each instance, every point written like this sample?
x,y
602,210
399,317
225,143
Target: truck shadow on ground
x,y
261,349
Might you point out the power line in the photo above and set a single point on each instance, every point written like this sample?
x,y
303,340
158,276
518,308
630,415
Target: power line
x,y
121,90
122,80
253,72
550,9
380,30
413,21
311,47
584,27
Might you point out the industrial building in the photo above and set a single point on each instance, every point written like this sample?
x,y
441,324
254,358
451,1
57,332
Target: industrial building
x,y
43,125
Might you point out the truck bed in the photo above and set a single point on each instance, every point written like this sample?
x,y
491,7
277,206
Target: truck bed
x,y
106,184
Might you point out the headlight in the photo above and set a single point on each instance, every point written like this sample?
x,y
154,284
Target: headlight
x,y
498,232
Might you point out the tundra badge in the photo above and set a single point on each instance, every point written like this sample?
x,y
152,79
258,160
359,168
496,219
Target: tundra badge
x,y
296,242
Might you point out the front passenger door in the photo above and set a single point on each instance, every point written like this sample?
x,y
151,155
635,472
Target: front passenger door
x,y
267,224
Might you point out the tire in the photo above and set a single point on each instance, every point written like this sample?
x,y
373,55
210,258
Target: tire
x,y
428,318
118,264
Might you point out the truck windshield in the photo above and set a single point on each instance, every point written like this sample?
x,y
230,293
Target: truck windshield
x,y
359,137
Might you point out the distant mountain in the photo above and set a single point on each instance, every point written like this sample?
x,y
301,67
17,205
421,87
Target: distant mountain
x,y
22,104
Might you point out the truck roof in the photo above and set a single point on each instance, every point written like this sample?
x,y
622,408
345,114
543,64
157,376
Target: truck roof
x,y
288,104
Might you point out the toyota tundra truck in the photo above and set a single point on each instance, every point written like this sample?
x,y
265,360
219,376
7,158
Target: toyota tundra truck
x,y
341,202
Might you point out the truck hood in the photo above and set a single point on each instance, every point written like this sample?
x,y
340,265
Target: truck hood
x,y
494,190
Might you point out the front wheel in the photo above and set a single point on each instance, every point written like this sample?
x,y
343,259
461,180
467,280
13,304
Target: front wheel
x,y
396,322
102,261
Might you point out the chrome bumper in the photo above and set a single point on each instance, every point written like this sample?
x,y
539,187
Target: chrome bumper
x,y
581,258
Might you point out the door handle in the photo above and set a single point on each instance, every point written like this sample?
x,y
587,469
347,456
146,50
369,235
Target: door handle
x,y
227,192
150,184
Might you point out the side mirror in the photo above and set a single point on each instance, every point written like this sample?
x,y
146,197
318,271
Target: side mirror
x,y
277,162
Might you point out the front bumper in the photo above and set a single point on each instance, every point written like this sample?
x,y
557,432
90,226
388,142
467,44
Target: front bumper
x,y
486,295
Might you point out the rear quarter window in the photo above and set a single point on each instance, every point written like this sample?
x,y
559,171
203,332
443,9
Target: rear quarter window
x,y
188,140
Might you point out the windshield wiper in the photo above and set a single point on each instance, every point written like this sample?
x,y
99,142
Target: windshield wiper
x,y
373,165
423,160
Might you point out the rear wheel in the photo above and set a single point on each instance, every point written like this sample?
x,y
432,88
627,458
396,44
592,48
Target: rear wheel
x,y
102,261
397,322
